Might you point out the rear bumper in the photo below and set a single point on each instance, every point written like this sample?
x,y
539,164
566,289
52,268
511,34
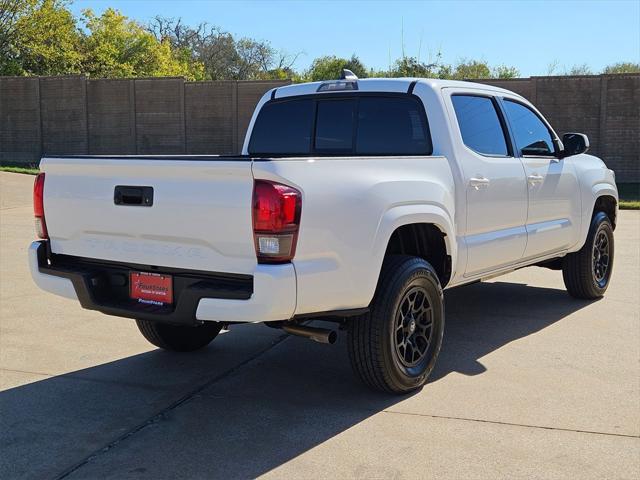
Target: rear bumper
x,y
267,295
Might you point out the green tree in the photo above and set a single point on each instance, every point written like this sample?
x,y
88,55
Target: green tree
x,y
412,67
255,60
622,67
465,69
445,71
503,71
10,11
223,56
583,69
43,40
330,68
42,37
118,47
470,69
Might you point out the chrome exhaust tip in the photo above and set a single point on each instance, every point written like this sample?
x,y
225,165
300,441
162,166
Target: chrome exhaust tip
x,y
320,335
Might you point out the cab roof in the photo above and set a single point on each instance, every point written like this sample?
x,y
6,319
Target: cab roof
x,y
396,85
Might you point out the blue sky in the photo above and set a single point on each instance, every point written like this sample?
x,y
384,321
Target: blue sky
x,y
529,35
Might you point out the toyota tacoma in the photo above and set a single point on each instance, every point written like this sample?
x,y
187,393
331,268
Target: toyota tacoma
x,y
353,201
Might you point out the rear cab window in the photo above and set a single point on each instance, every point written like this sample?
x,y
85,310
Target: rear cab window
x,y
388,126
283,128
328,124
480,125
334,126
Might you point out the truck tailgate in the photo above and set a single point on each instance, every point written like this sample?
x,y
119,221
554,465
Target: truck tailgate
x,y
200,217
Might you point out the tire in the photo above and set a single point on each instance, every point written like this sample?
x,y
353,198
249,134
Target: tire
x,y
376,339
179,338
587,272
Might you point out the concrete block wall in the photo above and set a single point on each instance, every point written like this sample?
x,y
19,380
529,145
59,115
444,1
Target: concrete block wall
x,y
605,107
76,115
111,117
63,115
210,109
20,126
620,126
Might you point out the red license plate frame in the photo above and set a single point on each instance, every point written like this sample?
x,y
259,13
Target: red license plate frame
x,y
151,288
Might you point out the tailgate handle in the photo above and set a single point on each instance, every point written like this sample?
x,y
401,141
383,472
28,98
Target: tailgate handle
x,y
131,195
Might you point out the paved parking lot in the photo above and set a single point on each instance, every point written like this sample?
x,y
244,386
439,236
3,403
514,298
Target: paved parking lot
x,y
530,383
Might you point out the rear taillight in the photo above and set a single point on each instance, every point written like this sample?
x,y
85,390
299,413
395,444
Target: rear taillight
x,y
38,207
276,220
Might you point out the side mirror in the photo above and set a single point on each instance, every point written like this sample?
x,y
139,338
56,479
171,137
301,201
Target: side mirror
x,y
574,144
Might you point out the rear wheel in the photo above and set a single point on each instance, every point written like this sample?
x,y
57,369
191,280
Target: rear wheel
x,y
587,272
179,338
394,347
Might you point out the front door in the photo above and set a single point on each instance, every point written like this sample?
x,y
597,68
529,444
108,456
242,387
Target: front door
x,y
554,200
495,184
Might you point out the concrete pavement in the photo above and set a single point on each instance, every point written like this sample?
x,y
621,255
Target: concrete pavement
x,y
530,383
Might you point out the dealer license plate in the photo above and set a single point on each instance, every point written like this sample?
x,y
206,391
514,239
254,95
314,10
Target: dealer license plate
x,y
151,288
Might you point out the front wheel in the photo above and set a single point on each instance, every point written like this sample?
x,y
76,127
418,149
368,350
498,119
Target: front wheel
x,y
394,347
179,338
587,272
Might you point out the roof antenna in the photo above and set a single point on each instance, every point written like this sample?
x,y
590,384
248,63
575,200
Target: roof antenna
x,y
348,75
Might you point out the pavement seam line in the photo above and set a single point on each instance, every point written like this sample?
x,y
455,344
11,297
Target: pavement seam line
x,y
166,410
14,207
29,372
524,425
467,419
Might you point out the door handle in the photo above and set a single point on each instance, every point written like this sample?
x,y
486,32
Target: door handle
x,y
479,182
535,179
133,195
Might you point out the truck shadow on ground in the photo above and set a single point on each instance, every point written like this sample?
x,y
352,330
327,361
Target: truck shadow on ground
x,y
243,423
484,317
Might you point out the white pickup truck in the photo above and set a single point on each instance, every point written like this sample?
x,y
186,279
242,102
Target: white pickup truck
x,y
353,201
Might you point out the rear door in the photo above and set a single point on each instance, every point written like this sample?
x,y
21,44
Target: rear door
x,y
198,218
494,179
552,183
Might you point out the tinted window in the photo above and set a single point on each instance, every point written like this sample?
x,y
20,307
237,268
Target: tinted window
x,y
334,125
531,134
385,125
391,126
283,128
480,125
